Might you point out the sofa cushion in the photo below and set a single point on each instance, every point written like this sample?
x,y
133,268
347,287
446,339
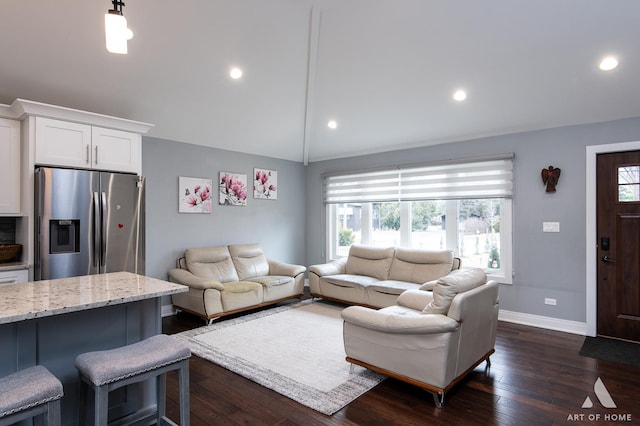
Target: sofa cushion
x,y
241,294
392,286
429,285
271,280
241,286
212,263
346,280
419,266
369,261
450,285
249,260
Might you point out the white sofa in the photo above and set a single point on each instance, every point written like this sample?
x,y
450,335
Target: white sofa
x,y
375,277
431,339
228,279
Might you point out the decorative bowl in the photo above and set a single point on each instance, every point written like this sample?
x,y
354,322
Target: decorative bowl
x,y
9,252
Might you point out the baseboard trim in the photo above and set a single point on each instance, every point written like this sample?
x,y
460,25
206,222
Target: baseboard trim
x,y
167,311
549,323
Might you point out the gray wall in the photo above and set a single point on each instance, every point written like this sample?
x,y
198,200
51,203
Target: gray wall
x,y
279,225
291,229
545,265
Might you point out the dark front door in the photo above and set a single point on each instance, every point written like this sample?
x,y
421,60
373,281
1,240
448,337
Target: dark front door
x,y
618,230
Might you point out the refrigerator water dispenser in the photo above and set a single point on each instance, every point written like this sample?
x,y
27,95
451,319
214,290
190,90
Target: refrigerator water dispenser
x,y
65,236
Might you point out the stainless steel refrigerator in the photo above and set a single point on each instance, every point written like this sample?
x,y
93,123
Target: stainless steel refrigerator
x,y
88,222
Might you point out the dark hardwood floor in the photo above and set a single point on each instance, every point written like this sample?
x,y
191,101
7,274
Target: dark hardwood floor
x,y
536,377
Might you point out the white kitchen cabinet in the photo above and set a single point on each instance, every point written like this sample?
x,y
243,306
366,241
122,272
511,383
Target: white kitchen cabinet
x,y
69,144
14,277
61,143
9,166
116,150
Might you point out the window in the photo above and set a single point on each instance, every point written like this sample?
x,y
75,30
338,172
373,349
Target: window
x,y
415,208
628,184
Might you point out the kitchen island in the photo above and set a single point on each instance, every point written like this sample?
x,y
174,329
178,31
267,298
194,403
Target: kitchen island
x,y
50,322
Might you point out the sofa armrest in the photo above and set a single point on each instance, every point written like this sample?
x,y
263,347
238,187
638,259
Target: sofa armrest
x,y
388,322
334,267
286,269
477,305
184,277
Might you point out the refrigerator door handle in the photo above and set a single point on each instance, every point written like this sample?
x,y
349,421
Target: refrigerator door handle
x,y
96,229
36,251
103,237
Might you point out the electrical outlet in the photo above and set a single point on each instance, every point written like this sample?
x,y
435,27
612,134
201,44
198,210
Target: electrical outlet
x,y
548,301
550,226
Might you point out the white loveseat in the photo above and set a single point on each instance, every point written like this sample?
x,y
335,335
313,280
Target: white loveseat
x,y
431,339
375,277
228,279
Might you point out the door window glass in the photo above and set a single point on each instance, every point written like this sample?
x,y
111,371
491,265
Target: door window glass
x,y
629,183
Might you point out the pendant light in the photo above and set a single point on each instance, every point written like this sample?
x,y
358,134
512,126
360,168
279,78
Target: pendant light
x,y
115,26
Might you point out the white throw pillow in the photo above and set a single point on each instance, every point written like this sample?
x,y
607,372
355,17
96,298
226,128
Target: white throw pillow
x,y
448,286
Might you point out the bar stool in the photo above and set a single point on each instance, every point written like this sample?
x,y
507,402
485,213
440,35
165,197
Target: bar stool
x,y
105,371
32,392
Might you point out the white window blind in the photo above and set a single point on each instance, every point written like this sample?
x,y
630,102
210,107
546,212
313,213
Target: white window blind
x,y
487,178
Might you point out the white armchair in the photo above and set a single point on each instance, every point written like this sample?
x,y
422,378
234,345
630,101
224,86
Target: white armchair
x,y
430,339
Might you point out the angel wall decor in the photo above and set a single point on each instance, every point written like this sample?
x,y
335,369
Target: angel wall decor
x,y
550,178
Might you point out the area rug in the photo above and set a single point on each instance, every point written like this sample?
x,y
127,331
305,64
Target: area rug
x,y
612,350
297,350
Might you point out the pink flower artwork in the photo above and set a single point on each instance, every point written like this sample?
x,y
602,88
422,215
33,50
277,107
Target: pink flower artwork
x,y
194,195
265,184
232,189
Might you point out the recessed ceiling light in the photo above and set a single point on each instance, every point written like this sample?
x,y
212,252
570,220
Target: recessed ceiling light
x,y
235,73
332,124
608,63
460,95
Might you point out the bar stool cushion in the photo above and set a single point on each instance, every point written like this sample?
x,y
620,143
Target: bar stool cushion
x,y
104,367
28,388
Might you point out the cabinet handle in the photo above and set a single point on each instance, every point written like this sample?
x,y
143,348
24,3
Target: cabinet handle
x,y
96,159
9,281
88,154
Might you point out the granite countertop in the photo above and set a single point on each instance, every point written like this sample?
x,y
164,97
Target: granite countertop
x,y
37,299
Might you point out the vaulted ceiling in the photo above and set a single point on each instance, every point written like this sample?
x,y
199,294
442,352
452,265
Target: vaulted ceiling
x,y
384,70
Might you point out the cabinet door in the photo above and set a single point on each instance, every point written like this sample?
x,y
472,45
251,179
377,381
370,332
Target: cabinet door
x,y
9,166
62,143
14,277
116,150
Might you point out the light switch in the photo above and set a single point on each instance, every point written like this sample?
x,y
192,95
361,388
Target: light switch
x,y
550,226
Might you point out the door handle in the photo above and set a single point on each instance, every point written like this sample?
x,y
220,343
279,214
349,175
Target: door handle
x,y
96,229
607,259
103,236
